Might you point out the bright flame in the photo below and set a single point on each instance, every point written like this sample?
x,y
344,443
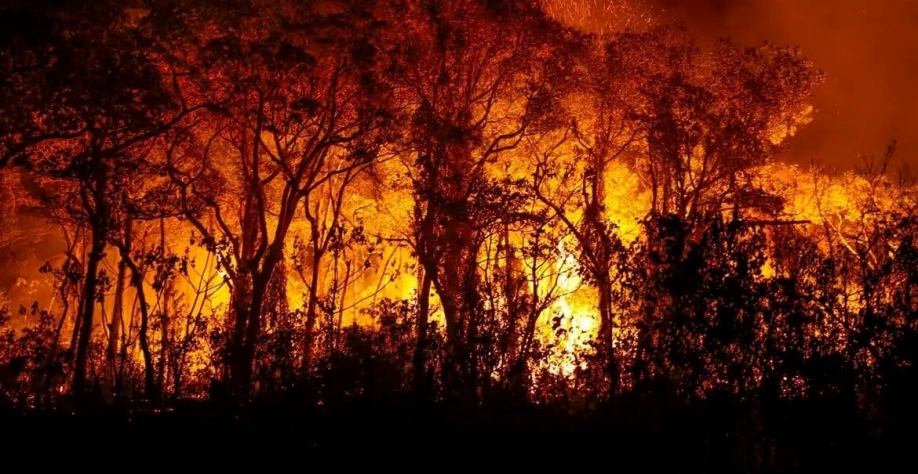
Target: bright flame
x,y
578,325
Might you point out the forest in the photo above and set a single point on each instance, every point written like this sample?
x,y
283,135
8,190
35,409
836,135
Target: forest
x,y
476,220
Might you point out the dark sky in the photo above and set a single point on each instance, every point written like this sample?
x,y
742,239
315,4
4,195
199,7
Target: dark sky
x,y
867,48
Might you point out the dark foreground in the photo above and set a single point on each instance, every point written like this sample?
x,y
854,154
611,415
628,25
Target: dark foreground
x,y
400,434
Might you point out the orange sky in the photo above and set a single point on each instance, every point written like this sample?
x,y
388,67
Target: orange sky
x,y
868,49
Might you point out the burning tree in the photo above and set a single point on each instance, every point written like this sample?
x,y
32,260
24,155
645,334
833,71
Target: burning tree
x,y
293,108
477,87
709,117
190,148
98,104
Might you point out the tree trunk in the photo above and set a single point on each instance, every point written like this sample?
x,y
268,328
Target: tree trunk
x,y
87,312
342,305
606,332
150,388
253,331
452,363
243,352
518,370
77,315
238,375
165,340
459,296
421,382
114,333
472,316
311,309
53,360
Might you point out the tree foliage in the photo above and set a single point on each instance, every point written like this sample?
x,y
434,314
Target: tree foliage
x,y
582,220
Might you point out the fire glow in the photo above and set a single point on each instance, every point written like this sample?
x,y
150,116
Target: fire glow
x,y
482,194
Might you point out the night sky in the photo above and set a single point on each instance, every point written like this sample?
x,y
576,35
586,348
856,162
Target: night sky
x,y
868,50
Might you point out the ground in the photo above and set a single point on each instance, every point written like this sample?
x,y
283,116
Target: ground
x,y
408,435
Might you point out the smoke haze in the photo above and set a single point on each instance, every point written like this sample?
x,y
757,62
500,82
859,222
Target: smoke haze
x,y
867,48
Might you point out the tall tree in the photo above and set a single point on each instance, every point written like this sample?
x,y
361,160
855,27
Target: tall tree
x,y
572,170
473,73
709,116
294,106
100,102
707,119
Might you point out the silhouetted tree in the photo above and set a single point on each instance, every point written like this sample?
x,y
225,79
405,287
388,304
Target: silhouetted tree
x,y
294,107
474,78
102,102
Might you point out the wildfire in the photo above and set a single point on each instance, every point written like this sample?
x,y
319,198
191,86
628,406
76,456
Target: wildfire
x,y
524,185
570,324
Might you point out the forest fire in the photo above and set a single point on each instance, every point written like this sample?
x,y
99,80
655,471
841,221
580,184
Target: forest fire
x,y
542,202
